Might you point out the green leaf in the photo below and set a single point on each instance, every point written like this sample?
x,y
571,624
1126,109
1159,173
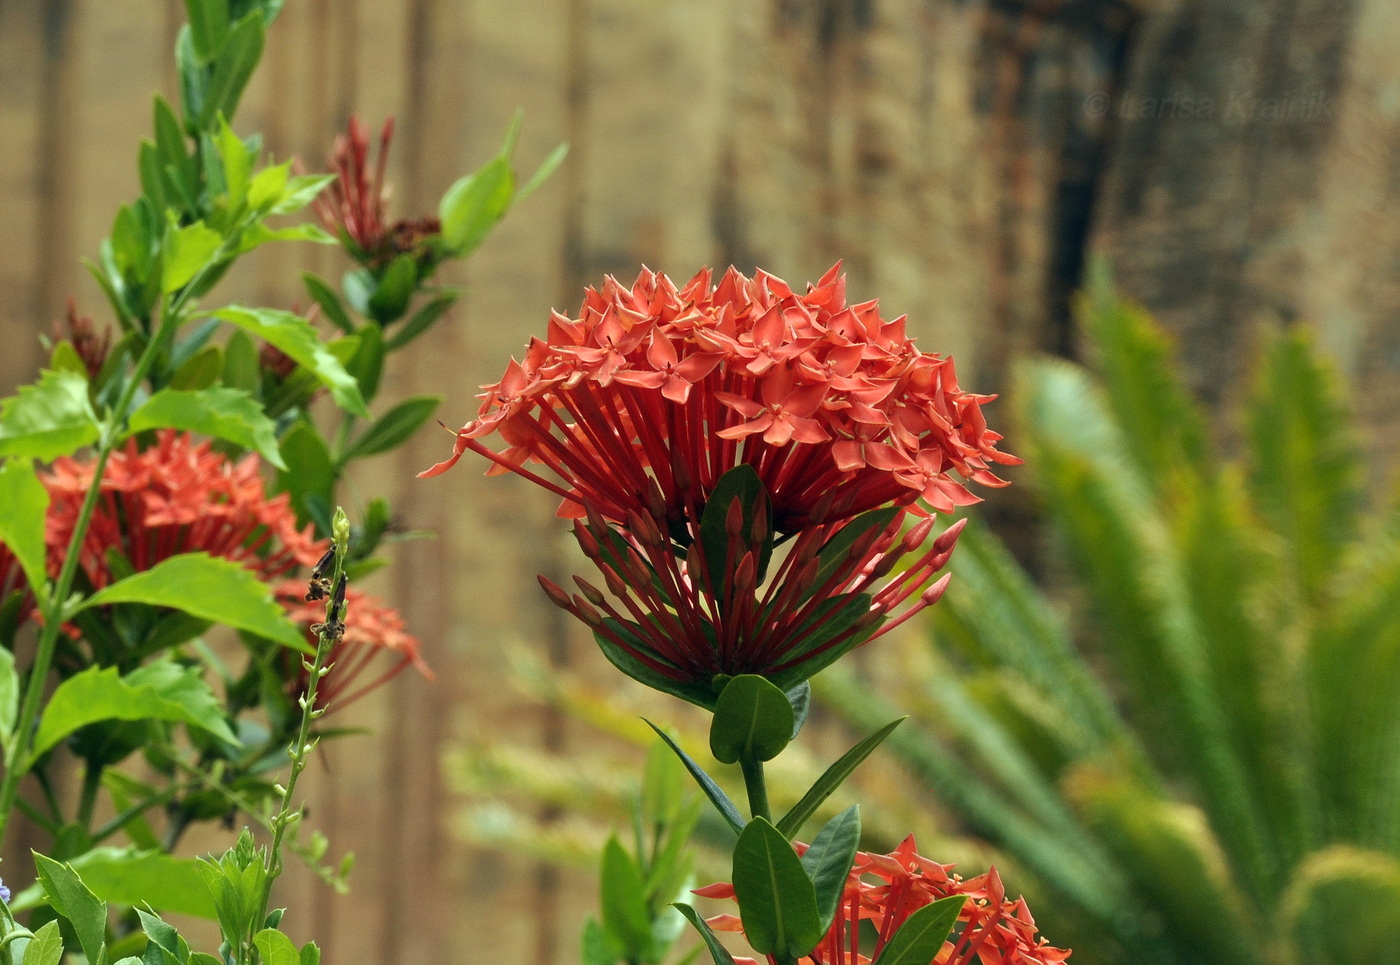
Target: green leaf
x,y
297,338
26,506
223,413
718,952
366,362
474,204
163,936
777,902
186,251
241,369
832,778
829,859
267,186
1330,887
100,693
923,933
422,320
624,903
9,694
329,301
835,550
717,797
299,191
130,876
832,618
742,484
753,721
276,948
209,588
394,427
800,698
310,474
620,658
594,947
46,948
48,419
542,173
237,160
200,371
310,954
208,27
72,899
240,54
395,288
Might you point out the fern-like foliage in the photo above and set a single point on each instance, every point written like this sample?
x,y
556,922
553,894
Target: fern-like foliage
x,y
1202,764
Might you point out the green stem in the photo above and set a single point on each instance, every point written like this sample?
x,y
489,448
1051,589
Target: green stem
x,y
757,787
87,800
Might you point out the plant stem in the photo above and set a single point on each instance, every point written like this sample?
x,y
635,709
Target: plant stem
x,y
92,782
756,786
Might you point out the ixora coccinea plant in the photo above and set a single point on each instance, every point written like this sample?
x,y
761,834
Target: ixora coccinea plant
x,y
740,461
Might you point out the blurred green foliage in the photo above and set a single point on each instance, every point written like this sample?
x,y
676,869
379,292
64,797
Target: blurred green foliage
x,y
1200,762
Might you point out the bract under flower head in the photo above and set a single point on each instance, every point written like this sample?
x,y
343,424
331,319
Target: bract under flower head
x,y
373,633
177,496
885,889
653,392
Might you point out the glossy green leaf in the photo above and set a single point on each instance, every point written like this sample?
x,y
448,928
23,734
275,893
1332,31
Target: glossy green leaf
x,y
837,548
299,191
9,694
209,588
800,698
25,503
276,948
718,952
366,362
923,933
833,617
130,876
267,186
474,204
829,859
743,485
240,53
298,339
717,797
310,954
777,902
753,721
395,289
697,694
329,301
241,369
72,899
187,251
46,948
208,26
229,414
624,902
157,692
49,418
311,474
200,371
237,161
395,427
163,936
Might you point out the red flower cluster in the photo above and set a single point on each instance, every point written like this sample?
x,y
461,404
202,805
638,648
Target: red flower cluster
x,y
177,496
659,389
371,630
885,889
354,206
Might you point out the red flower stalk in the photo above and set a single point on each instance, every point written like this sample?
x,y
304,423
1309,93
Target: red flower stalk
x,y
177,496
372,631
659,389
355,205
79,330
885,889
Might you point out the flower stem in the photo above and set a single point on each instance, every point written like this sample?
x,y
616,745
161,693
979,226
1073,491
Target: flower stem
x,y
756,786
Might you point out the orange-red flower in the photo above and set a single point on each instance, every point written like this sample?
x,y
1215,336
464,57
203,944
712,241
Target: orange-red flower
x,y
885,889
177,496
656,389
373,631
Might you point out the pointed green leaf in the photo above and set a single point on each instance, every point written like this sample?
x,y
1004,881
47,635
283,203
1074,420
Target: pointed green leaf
x,y
46,948
422,320
717,797
800,697
26,505
296,337
187,251
829,859
742,484
9,694
329,301
753,721
1329,888
299,191
100,693
641,672
208,27
72,899
237,160
473,205
542,173
240,53
130,876
395,289
921,937
624,903
395,427
48,419
777,902
223,413
718,952
209,588
832,778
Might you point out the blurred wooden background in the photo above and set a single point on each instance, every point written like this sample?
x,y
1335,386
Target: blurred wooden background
x,y
1237,160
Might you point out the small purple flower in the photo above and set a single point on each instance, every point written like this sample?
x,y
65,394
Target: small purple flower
x,y
4,892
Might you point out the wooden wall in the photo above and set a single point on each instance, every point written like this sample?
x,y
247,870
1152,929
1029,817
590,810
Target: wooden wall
x,y
962,156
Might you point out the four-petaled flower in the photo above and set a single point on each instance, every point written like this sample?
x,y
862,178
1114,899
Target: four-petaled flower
x,y
885,889
176,496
